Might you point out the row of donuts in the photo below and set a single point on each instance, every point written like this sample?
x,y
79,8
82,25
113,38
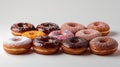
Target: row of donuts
x,y
72,37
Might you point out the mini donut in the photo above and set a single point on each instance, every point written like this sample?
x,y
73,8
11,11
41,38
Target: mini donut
x,y
47,27
33,34
72,26
102,27
103,45
88,34
75,45
18,28
46,45
17,45
61,35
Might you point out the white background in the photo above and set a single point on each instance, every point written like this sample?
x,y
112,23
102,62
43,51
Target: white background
x,y
59,11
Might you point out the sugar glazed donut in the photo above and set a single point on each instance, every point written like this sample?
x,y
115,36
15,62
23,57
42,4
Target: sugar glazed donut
x,y
75,45
46,45
17,45
72,26
100,26
18,28
33,34
47,27
103,45
88,34
61,35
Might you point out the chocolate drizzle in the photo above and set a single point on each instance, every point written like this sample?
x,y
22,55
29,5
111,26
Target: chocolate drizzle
x,y
47,27
22,27
46,42
75,42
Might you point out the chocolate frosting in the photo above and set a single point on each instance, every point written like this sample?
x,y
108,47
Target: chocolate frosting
x,y
75,42
22,27
47,27
46,42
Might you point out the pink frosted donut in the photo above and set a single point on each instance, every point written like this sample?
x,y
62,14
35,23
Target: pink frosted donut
x,y
102,27
88,33
61,35
72,26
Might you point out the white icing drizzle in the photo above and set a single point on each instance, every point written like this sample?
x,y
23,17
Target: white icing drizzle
x,y
22,41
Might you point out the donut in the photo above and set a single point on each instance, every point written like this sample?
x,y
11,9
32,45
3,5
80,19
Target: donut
x,y
18,28
88,34
17,45
72,26
61,35
33,34
74,45
102,27
103,45
47,27
46,45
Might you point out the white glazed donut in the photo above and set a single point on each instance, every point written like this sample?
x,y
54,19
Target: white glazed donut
x,y
17,45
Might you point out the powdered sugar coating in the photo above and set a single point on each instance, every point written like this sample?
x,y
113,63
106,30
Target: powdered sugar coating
x,y
17,41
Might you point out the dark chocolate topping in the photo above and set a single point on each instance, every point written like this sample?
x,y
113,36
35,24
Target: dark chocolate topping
x,y
46,42
22,27
75,42
47,27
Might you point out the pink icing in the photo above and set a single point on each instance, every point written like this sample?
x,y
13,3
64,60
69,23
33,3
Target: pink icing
x,y
61,35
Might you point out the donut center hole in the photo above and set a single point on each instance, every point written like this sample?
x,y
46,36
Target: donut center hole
x,y
31,33
20,25
16,39
102,41
74,40
72,25
86,32
96,24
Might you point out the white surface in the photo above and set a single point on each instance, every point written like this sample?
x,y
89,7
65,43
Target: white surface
x,y
59,11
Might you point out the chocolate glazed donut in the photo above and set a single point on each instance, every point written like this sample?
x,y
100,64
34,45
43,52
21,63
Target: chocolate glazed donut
x,y
75,45
21,27
47,27
46,45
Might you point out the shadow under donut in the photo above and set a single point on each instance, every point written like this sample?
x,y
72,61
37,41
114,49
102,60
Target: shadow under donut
x,y
112,33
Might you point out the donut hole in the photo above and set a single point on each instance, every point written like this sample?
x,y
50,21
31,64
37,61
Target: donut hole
x,y
74,40
102,41
86,32
20,24
96,24
31,33
16,39
72,24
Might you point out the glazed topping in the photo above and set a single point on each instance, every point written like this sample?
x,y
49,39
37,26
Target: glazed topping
x,y
17,41
22,27
72,24
75,42
100,26
46,42
104,42
48,27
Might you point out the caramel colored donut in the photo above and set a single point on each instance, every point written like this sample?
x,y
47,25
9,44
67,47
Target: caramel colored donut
x,y
88,34
103,45
33,34
46,45
47,27
17,45
18,28
75,45
100,26
72,26
61,35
